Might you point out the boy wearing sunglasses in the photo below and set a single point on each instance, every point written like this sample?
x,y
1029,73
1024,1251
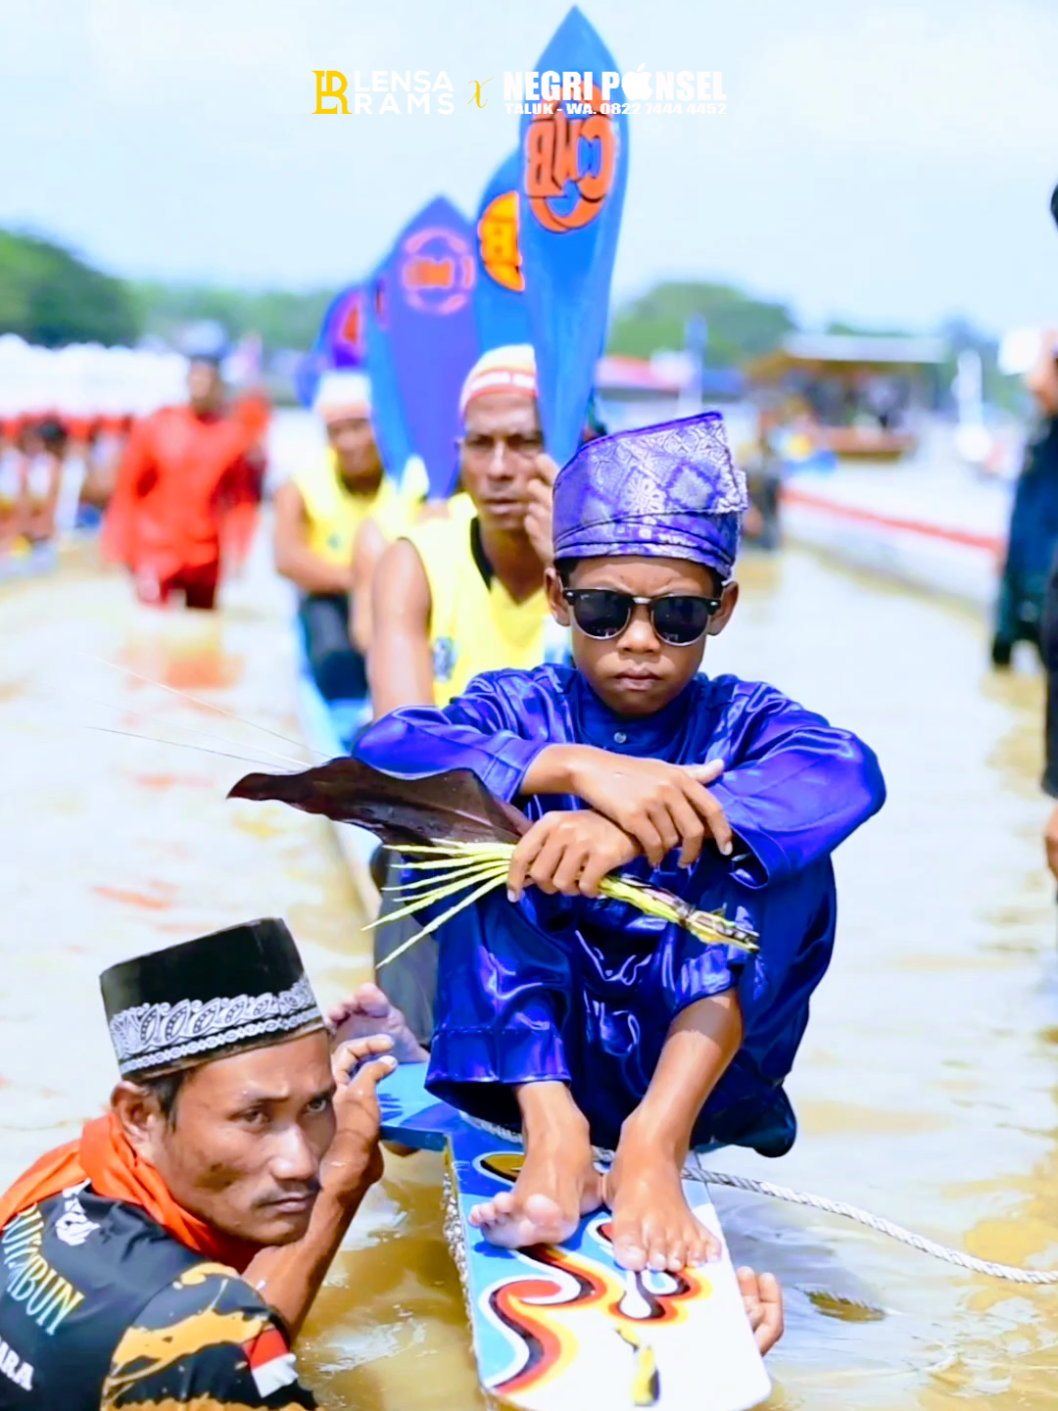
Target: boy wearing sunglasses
x,y
578,1019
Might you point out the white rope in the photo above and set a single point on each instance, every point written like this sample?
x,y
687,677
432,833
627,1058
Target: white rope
x,y
876,1222
697,1172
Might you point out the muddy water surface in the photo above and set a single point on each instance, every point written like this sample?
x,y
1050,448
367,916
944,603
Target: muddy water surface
x,y
926,1087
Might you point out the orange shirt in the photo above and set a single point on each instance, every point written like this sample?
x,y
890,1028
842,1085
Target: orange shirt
x,y
183,480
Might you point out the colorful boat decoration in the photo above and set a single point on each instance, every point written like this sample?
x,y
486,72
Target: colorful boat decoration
x,y
560,1329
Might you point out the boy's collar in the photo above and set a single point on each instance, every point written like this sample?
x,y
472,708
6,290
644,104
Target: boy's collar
x,y
635,735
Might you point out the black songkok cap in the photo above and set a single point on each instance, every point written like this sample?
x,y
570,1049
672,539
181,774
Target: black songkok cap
x,y
236,989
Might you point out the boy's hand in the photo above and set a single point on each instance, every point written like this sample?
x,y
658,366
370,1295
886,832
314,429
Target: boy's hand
x,y
569,852
662,806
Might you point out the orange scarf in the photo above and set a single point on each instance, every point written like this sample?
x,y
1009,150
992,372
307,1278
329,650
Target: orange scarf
x,y
104,1157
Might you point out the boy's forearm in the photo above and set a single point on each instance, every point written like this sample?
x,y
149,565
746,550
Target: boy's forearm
x,y
701,1044
555,770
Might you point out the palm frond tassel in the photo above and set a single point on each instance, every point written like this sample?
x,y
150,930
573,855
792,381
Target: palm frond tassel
x,y
461,836
483,866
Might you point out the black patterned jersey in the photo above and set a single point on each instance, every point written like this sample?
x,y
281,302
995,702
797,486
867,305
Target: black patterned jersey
x,y
101,1309
205,1341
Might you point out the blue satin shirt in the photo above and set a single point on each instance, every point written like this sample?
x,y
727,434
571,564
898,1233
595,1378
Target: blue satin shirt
x,y
584,991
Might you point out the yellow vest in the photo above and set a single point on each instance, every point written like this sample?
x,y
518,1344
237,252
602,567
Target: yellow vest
x,y
477,626
335,514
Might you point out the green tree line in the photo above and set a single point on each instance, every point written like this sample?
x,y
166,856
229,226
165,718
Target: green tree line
x,y
50,296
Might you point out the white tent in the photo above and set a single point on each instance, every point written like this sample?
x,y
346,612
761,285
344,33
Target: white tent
x,y
86,379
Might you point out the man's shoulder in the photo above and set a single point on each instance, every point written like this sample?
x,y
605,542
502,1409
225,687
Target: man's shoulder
x,y
205,1336
438,533
316,473
206,1286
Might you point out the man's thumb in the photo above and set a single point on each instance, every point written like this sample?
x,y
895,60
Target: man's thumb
x,y
706,773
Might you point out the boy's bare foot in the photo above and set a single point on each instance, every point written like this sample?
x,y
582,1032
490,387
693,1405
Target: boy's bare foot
x,y
558,1182
370,1012
653,1227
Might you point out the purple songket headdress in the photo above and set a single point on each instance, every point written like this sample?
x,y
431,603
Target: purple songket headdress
x,y
668,491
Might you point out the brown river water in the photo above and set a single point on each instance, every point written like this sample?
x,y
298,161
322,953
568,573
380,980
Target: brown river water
x,y
927,1083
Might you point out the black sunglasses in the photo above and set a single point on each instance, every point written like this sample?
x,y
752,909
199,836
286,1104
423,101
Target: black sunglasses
x,y
678,620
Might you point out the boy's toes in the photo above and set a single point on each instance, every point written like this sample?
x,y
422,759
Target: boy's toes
x,y
677,1256
657,1259
702,1248
629,1251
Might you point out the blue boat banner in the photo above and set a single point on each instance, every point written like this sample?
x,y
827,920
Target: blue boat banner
x,y
499,305
341,342
344,335
433,337
391,427
574,170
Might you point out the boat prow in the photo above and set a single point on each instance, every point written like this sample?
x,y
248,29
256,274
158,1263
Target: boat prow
x,y
562,1328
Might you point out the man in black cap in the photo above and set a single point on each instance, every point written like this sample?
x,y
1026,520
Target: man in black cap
x,y
236,1144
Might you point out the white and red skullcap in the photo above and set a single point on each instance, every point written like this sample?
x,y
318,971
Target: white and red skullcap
x,y
343,393
509,369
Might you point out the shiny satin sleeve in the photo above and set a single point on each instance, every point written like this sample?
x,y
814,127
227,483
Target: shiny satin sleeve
x,y
794,787
496,729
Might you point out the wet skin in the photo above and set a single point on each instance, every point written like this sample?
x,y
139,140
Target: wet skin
x,y
243,1146
352,438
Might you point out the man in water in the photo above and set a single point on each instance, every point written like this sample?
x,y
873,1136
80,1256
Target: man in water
x,y
189,479
321,512
456,596
169,1256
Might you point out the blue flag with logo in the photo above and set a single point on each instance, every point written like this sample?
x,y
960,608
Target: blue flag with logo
x,y
339,343
499,302
433,336
574,169
387,409
343,332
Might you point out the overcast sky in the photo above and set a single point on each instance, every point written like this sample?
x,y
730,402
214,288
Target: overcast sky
x,y
880,162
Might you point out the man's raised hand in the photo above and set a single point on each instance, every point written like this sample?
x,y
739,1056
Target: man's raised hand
x,y
353,1160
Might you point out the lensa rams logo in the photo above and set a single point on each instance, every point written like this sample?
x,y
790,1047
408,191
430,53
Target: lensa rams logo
x,y
691,91
383,91
436,271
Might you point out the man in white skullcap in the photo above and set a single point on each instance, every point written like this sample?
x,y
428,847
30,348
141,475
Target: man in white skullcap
x,y
456,596
322,513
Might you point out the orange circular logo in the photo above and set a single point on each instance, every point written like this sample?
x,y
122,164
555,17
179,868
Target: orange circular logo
x,y
436,270
569,165
498,241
